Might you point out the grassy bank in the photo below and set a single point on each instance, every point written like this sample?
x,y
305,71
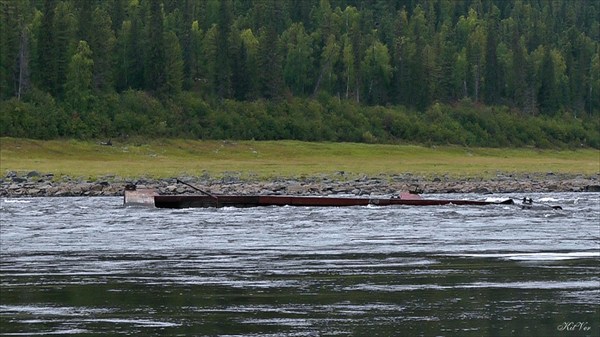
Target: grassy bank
x,y
268,159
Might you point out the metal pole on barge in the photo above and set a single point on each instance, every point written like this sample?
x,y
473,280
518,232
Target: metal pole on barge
x,y
201,191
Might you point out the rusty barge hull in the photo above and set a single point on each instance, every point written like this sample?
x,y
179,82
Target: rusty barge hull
x,y
187,201
150,198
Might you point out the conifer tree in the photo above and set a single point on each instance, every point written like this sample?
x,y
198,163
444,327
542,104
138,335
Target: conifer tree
x,y
547,94
249,49
154,66
85,15
352,52
15,37
196,55
270,72
492,76
174,64
298,59
223,62
377,72
46,51
64,31
102,44
78,88
186,43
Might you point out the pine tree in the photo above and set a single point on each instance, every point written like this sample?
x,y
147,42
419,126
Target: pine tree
x,y
270,72
196,55
238,54
330,56
492,51
23,77
78,93
377,72
548,94
208,65
174,64
298,59
85,14
492,76
417,91
135,55
118,13
186,43
519,74
223,56
154,66
250,68
102,44
14,47
352,53
46,51
64,29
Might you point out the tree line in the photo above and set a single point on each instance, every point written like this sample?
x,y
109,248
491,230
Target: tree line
x,y
199,68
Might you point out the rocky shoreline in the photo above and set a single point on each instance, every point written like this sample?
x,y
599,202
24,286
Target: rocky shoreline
x,y
34,184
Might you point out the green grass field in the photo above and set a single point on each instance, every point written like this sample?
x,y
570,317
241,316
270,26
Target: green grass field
x,y
268,159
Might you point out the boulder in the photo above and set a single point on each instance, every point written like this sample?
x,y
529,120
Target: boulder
x,y
33,174
592,188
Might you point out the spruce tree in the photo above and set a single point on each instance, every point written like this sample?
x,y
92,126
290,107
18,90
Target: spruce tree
x,y
102,44
64,28
223,56
78,88
548,94
491,74
154,66
174,64
46,50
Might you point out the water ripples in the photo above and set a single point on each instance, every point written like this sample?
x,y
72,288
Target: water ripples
x,y
81,266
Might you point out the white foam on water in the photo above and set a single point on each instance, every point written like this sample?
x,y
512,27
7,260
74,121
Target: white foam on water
x,y
137,322
537,256
45,333
16,201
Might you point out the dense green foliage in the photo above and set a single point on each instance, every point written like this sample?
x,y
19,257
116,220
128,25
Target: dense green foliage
x,y
472,72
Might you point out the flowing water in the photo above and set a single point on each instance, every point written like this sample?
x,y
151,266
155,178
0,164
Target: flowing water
x,y
89,267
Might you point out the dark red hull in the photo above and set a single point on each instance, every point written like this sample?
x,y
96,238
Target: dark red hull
x,y
189,201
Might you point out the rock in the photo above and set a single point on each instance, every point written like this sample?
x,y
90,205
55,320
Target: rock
x,y
96,187
34,185
18,180
32,174
296,189
481,190
592,188
45,187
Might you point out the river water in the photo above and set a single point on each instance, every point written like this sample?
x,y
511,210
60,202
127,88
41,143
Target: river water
x,y
89,267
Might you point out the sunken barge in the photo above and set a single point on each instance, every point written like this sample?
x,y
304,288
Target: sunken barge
x,y
150,197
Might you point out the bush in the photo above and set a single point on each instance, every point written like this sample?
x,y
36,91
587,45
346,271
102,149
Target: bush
x,y
328,118
37,116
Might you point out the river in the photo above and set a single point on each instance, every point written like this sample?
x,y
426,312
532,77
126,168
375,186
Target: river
x,y
89,267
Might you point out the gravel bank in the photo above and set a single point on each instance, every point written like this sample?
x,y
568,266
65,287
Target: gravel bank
x,y
34,184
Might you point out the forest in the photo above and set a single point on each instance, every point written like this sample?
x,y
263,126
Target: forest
x,y
495,73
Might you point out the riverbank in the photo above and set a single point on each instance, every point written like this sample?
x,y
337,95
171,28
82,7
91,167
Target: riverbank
x,y
86,168
270,160
35,184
